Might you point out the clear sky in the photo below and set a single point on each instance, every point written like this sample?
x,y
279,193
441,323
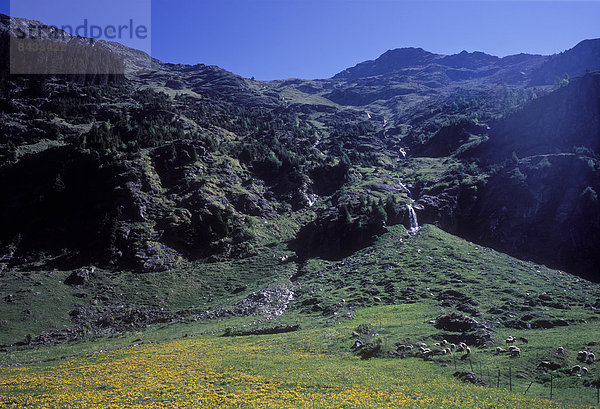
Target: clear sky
x,y
273,39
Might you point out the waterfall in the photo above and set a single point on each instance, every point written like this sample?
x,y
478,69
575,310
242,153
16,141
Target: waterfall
x,y
412,216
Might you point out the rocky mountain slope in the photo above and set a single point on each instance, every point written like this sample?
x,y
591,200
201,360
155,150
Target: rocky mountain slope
x,y
177,194
178,162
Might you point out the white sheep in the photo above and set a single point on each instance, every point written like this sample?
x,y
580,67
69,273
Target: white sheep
x,y
584,370
500,350
468,350
575,369
560,350
515,352
591,358
582,356
444,342
510,340
453,346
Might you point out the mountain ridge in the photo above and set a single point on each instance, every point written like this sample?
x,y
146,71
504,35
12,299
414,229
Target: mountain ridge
x,y
347,217
286,135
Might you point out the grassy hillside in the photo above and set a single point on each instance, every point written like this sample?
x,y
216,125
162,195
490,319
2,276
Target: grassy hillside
x,y
397,285
260,372
184,236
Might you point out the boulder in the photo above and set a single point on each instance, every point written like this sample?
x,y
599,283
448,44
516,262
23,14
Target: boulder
x,y
449,297
549,323
549,365
79,277
469,309
517,324
457,322
480,337
469,377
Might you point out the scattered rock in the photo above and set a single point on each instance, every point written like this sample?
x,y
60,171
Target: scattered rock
x,y
469,377
549,365
239,289
454,321
517,324
280,329
450,297
549,323
469,309
270,302
78,277
480,337
558,305
155,256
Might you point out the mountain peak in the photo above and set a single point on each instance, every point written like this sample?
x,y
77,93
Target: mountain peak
x,y
390,61
411,57
471,60
407,55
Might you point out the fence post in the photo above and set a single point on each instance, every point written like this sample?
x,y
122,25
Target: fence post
x,y
510,378
454,356
550,385
498,382
598,392
530,383
470,363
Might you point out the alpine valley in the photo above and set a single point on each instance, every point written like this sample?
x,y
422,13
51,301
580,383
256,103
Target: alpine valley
x,y
383,238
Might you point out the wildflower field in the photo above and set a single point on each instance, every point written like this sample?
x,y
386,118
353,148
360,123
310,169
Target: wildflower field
x,y
245,372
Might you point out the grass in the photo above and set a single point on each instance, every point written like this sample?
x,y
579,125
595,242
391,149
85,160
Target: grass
x,y
260,371
31,293
397,285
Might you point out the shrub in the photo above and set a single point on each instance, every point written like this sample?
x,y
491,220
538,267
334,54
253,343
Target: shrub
x,y
516,176
371,349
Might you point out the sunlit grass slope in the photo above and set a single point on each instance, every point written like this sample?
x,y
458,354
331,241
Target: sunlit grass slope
x,y
266,371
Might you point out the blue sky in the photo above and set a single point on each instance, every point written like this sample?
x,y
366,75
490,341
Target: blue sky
x,y
272,39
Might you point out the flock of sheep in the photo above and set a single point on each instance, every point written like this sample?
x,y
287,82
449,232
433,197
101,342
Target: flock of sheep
x,y
512,350
585,357
446,348
439,348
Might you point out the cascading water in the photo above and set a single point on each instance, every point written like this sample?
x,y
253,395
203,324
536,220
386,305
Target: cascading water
x,y
412,216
